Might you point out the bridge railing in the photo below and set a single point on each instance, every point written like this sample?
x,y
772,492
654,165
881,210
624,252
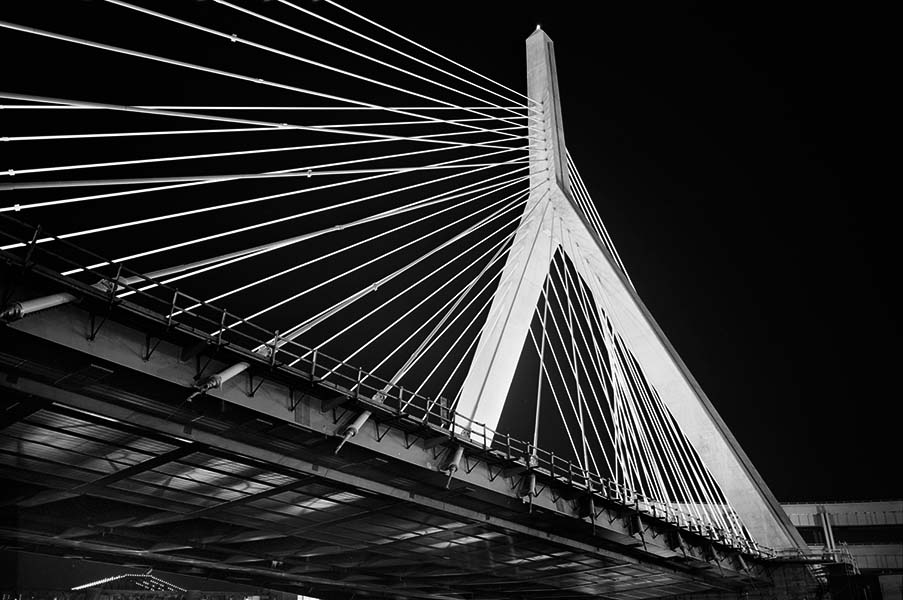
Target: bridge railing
x,y
87,273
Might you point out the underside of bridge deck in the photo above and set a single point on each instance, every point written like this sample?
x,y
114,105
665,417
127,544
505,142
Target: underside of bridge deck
x,y
115,463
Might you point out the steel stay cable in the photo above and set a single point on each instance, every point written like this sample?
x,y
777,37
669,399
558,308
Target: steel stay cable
x,y
567,390
502,286
428,407
431,200
595,319
621,397
446,310
599,375
235,120
78,136
503,289
584,201
158,159
557,403
595,353
633,407
295,296
721,501
600,225
506,283
306,325
642,476
519,105
526,218
123,134
398,295
702,504
595,275
619,382
287,107
632,475
592,215
705,495
460,294
426,344
118,50
600,369
529,215
570,323
593,211
116,134
551,313
697,498
691,471
236,176
545,311
410,41
714,490
421,122
665,441
258,250
592,319
572,356
254,200
355,52
553,392
582,196
648,452
275,221
236,39
20,207
209,70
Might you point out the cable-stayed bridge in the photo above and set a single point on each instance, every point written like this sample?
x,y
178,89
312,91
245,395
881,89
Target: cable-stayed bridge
x,y
360,329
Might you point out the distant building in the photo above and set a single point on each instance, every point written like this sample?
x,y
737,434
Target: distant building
x,y
130,586
137,586
868,533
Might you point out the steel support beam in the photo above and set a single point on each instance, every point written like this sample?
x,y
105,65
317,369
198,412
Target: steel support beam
x,y
302,467
85,488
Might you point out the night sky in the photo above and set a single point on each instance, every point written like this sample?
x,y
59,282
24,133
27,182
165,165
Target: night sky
x,y
735,155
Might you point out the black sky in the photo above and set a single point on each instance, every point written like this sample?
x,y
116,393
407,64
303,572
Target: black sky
x,y
735,153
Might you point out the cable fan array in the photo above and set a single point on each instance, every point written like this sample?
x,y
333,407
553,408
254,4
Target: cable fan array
x,y
353,206
615,422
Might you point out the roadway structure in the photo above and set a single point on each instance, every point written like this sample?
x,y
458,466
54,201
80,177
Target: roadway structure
x,y
868,534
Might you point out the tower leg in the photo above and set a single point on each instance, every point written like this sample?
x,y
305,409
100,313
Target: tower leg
x,y
486,386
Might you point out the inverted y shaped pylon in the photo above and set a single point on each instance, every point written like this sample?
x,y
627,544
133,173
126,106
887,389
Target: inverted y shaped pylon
x,y
551,223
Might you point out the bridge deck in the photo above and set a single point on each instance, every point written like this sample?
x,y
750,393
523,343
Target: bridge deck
x,y
113,463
